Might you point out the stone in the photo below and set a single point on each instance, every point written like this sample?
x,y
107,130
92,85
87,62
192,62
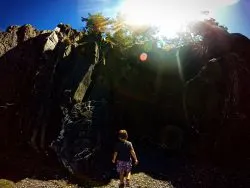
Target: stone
x,y
51,42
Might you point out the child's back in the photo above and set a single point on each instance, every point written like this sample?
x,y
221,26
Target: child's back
x,y
123,149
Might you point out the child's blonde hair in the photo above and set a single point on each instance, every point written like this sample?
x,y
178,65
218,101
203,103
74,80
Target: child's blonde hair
x,y
122,134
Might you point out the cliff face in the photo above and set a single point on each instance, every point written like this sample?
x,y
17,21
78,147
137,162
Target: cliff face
x,y
46,78
19,51
31,64
57,93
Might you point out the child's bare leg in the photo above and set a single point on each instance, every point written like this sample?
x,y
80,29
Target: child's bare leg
x,y
128,174
121,177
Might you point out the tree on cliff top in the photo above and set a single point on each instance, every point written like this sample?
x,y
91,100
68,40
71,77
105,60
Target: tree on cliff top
x,y
117,32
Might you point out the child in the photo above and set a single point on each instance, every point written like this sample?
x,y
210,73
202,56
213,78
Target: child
x,y
123,152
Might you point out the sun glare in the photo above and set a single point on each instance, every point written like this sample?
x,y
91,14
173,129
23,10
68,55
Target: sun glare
x,y
170,16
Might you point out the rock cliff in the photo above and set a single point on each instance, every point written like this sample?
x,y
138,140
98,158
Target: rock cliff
x,y
58,92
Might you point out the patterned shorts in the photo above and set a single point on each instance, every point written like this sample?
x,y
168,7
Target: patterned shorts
x,y
123,166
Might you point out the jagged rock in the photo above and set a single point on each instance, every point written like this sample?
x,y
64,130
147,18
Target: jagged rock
x,y
27,32
12,28
51,42
66,32
74,71
8,39
80,137
45,31
15,35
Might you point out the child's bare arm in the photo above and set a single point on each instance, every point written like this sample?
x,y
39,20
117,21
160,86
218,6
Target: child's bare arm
x,y
132,151
114,157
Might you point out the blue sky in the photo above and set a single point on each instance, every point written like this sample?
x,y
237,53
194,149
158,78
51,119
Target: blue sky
x,y
47,14
236,17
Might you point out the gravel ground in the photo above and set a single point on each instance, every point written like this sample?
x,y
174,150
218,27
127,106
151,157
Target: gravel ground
x,y
138,180
25,169
141,180
32,183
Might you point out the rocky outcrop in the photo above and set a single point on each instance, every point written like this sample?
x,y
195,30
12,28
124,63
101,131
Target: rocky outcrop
x,y
48,96
15,35
29,60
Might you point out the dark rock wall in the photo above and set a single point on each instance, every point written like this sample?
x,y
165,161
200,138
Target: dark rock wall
x,y
56,92
19,62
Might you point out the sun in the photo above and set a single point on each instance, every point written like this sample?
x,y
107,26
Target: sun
x,y
170,16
